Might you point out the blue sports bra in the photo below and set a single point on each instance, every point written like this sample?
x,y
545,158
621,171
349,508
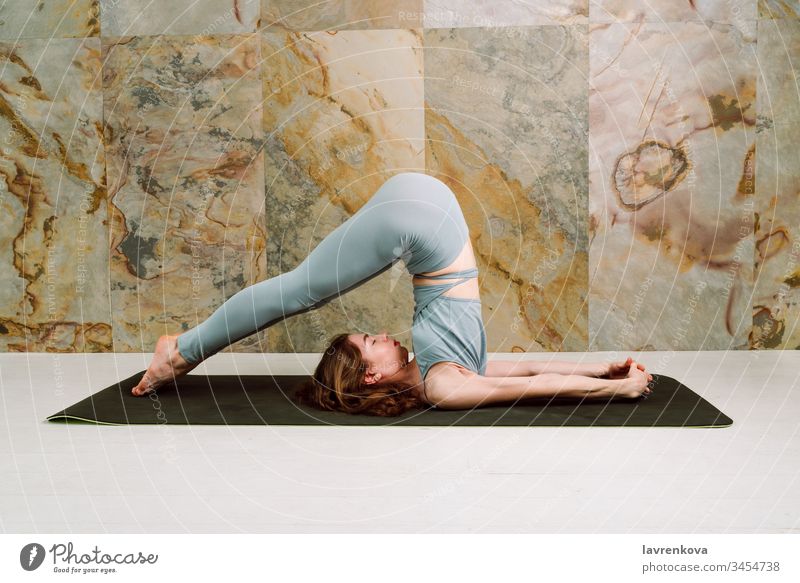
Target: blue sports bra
x,y
445,328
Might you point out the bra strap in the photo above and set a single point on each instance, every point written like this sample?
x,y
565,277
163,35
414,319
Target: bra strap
x,y
471,272
425,294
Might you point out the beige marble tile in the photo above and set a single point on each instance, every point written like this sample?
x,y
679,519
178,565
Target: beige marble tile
x,y
307,15
342,113
53,219
778,92
183,131
492,13
195,17
51,19
729,11
777,234
506,126
672,142
779,8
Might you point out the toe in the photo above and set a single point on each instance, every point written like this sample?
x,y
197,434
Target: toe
x,y
140,388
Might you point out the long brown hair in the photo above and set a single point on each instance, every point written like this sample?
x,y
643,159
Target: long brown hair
x,y
338,385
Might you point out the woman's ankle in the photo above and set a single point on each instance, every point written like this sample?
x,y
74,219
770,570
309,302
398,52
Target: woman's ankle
x,y
178,358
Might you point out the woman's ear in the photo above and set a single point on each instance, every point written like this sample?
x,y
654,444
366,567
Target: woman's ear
x,y
370,378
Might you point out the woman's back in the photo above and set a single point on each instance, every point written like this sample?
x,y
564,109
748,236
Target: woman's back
x,y
448,325
465,260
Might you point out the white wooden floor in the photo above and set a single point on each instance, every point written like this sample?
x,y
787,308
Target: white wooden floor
x,y
57,478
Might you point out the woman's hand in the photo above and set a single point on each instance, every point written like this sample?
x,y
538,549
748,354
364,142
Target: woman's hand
x,y
638,381
619,370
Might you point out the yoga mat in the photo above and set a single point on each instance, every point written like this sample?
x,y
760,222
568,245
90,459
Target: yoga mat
x,y
265,400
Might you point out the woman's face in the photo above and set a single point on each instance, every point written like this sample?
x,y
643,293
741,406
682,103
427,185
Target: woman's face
x,y
384,356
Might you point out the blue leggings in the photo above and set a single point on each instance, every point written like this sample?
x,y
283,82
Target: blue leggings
x,y
412,216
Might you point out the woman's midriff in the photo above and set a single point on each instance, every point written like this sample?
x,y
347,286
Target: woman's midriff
x,y
465,260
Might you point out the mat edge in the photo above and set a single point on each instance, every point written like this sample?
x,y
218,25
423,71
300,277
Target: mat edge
x,y
58,416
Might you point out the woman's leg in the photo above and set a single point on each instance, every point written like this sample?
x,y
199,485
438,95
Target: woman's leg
x,y
386,229
361,248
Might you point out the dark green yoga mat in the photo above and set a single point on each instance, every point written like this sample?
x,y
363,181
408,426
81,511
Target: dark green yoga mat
x,y
265,400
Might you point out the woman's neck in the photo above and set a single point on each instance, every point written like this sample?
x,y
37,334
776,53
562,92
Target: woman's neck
x,y
414,378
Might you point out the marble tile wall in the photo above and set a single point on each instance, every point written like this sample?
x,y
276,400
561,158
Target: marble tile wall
x,y
21,19
778,9
313,15
53,239
506,126
673,142
727,11
182,121
342,113
776,299
627,168
497,13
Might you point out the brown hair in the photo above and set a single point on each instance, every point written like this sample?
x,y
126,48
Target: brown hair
x,y
338,385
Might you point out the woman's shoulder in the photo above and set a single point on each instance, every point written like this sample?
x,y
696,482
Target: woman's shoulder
x,y
445,378
446,372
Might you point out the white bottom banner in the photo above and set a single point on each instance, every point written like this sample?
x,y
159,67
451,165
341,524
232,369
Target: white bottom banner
x,y
400,557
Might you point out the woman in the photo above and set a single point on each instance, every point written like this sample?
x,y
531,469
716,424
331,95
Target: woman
x,y
415,217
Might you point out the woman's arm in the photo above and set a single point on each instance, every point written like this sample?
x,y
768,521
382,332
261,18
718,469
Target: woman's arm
x,y
457,389
510,368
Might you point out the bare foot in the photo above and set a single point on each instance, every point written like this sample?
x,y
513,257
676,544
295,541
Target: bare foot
x,y
167,365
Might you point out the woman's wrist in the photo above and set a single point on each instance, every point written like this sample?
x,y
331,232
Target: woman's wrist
x,y
594,369
615,387
604,370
